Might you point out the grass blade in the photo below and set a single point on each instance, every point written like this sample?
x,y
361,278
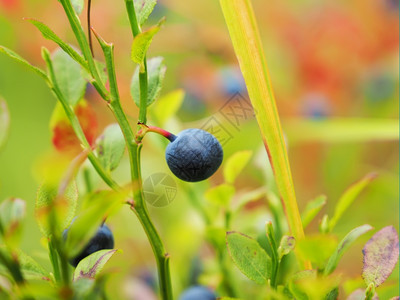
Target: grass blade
x,y
240,19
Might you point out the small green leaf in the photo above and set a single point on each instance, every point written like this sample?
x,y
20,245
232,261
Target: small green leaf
x,y
12,213
143,9
249,257
295,289
50,35
286,245
156,71
317,248
78,6
30,268
220,194
55,213
91,265
381,254
348,197
4,122
69,77
167,106
110,147
19,59
95,208
235,164
142,42
312,209
343,246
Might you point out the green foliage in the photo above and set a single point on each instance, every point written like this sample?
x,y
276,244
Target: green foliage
x,y
312,209
19,59
235,164
95,209
317,248
381,254
54,212
110,147
221,194
91,266
78,6
69,77
30,268
343,246
249,257
50,35
286,245
167,106
142,42
156,71
4,122
348,198
143,9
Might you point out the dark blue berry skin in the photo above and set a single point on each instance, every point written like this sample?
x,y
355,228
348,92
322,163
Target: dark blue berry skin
x,y
198,293
103,239
194,155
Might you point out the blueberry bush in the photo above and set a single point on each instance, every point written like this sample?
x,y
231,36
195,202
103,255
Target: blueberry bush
x,y
82,191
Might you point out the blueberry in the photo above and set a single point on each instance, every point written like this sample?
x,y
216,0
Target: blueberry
x,y
103,239
194,155
198,293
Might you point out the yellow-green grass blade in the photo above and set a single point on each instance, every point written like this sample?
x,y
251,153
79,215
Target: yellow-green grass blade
x,y
240,19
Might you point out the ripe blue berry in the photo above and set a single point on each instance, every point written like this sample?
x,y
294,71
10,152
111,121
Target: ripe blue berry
x,y
103,239
198,293
194,155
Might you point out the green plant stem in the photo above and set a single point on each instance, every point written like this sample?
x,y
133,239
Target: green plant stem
x,y
241,23
84,45
143,76
54,261
134,150
274,252
69,112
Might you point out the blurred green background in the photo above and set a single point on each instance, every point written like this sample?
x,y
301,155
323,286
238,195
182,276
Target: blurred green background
x,y
327,59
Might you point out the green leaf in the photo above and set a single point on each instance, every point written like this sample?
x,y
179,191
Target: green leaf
x,y
142,42
91,265
316,248
78,6
312,209
296,278
343,246
95,208
4,122
12,213
249,257
381,254
69,77
156,71
143,9
220,194
110,147
286,245
50,35
341,130
30,268
19,59
167,106
348,197
310,286
53,213
235,165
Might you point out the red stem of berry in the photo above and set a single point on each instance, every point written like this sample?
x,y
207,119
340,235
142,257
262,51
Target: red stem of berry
x,y
141,133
